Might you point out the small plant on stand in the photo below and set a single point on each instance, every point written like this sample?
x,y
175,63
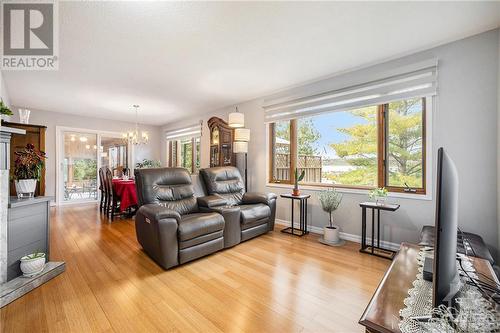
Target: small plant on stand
x,y
379,195
330,201
298,178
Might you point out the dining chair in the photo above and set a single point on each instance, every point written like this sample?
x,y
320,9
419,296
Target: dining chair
x,y
102,187
113,201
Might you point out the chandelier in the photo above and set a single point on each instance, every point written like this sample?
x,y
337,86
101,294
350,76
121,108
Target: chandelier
x,y
135,137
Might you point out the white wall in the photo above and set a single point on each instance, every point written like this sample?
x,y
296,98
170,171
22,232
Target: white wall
x,y
3,91
53,119
464,122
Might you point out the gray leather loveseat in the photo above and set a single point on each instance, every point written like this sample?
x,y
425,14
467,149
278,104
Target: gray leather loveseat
x,y
179,220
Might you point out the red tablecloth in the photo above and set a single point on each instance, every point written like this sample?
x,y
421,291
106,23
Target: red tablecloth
x,y
125,189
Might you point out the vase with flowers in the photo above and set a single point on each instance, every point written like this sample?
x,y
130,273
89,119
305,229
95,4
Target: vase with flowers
x,y
28,167
379,195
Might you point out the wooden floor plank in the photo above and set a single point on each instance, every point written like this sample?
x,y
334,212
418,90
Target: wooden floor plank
x,y
273,283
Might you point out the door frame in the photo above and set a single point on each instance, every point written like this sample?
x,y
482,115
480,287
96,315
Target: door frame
x,y
60,155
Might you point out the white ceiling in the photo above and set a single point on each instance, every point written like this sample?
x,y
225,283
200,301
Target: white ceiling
x,y
177,59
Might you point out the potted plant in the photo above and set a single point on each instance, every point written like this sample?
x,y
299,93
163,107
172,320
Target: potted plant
x,y
4,110
33,264
379,195
27,170
298,178
145,164
330,201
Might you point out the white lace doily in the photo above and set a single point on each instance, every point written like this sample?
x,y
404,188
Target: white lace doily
x,y
475,315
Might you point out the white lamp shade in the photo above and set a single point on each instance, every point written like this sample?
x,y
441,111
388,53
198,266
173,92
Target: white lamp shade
x,y
242,134
236,119
240,147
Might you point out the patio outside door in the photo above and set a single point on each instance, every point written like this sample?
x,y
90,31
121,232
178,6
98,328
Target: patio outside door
x,y
79,167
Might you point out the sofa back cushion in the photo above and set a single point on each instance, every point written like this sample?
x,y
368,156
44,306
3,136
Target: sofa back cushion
x,y
225,181
169,187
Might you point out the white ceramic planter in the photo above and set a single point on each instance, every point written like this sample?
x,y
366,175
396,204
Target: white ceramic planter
x,y
31,267
25,187
331,235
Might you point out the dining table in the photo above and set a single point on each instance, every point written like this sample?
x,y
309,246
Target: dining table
x,y
125,189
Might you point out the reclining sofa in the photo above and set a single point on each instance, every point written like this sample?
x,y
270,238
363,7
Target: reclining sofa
x,y
183,217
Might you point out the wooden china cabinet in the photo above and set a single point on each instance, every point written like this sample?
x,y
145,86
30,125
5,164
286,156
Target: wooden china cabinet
x,y
35,134
221,143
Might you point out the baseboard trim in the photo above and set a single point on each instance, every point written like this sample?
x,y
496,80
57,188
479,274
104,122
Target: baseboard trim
x,y
343,235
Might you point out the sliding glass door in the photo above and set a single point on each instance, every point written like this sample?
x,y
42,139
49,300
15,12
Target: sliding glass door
x,y
80,155
79,166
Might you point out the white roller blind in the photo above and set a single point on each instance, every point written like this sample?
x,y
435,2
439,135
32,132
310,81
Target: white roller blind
x,y
192,131
415,80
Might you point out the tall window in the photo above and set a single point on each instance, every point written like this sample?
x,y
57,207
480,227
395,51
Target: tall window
x,y
374,146
281,151
184,153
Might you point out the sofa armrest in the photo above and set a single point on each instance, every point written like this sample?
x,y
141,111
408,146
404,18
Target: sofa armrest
x,y
156,230
211,201
258,197
157,212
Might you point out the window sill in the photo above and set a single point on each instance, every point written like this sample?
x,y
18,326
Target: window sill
x,y
312,188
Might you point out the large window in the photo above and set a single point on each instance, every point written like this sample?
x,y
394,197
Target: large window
x,y
184,153
375,146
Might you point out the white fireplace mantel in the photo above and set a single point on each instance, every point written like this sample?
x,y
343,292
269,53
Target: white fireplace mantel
x,y
5,134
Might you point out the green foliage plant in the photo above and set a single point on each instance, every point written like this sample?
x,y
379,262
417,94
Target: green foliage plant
x,y
29,163
330,201
378,193
147,164
35,255
298,178
4,109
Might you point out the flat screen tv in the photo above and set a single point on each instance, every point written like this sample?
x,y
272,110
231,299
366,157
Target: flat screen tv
x,y
445,273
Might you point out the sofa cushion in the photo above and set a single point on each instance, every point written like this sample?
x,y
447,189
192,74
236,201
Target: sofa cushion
x,y
254,213
198,224
170,187
224,181
200,240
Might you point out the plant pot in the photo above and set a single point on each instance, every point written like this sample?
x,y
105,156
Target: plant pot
x,y
296,192
25,188
331,234
5,117
31,267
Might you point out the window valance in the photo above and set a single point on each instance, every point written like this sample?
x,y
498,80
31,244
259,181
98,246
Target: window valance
x,y
366,88
192,131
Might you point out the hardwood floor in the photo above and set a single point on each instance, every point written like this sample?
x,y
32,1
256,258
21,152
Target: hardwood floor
x,y
273,283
